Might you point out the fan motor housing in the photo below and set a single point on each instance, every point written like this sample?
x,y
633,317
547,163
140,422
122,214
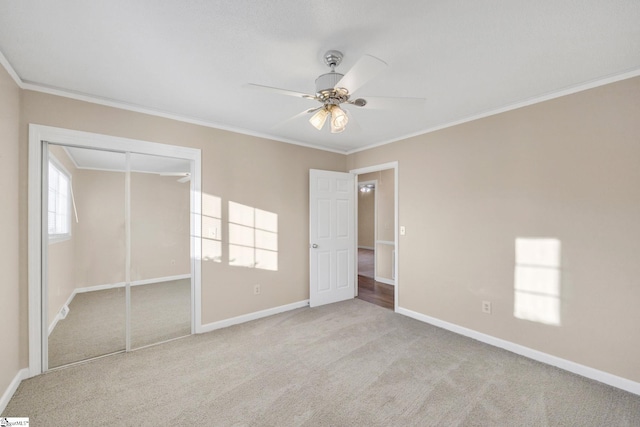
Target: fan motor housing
x,y
325,91
327,81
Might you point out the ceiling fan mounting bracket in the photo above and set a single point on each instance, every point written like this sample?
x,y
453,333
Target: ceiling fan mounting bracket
x,y
333,58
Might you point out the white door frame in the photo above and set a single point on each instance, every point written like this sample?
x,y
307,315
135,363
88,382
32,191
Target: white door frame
x,y
36,253
378,168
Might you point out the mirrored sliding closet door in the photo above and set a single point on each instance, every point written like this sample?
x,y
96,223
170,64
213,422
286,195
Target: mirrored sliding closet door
x,y
118,261
85,293
160,253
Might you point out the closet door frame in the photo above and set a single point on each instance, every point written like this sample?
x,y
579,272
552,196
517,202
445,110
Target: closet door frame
x,y
39,134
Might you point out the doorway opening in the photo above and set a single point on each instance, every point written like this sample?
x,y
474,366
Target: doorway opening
x,y
376,235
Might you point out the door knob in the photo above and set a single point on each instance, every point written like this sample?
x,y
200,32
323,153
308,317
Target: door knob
x,y
314,246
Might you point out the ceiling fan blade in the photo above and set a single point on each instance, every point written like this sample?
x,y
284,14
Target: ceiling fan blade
x,y
364,70
183,174
391,103
297,116
280,91
353,125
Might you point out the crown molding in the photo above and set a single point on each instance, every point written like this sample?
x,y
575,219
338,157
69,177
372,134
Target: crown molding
x,y
36,87
7,66
533,100
26,85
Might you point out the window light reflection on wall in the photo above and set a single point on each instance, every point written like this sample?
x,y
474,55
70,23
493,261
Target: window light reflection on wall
x,y
537,280
253,237
211,228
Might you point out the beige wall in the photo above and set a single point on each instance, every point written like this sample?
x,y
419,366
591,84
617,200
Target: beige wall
x,y
100,249
384,262
273,177
385,201
160,226
255,172
386,221
96,253
10,356
567,169
366,219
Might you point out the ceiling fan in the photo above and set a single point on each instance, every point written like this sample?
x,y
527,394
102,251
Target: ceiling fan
x,y
182,176
334,89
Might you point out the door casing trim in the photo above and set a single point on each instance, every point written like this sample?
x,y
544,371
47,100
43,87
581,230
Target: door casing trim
x,y
376,168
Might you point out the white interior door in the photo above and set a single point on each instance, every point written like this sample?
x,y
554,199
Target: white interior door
x,y
331,237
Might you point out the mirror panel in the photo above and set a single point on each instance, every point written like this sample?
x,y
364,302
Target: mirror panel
x,y
85,292
160,252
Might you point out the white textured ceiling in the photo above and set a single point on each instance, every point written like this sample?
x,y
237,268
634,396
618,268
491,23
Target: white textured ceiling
x,y
191,59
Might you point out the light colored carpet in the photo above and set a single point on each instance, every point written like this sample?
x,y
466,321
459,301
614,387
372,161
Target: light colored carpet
x,y
345,364
366,262
95,324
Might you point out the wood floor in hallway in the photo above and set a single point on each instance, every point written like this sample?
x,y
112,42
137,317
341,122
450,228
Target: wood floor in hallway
x,y
375,292
368,289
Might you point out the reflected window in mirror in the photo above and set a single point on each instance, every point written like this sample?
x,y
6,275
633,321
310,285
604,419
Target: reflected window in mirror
x,y
59,202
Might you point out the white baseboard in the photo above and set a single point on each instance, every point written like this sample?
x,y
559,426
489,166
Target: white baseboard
x,y
54,323
13,386
111,286
371,248
134,283
383,280
160,279
251,316
59,315
567,365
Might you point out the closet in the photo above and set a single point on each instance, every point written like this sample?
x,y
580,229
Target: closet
x,y
116,251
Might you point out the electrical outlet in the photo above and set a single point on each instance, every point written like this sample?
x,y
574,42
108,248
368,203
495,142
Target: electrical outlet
x,y
256,290
486,307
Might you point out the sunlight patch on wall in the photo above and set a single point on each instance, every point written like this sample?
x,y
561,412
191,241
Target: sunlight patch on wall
x,y
211,228
537,280
253,237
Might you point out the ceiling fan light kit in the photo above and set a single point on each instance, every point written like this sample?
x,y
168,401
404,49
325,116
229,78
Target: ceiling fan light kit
x,y
339,119
318,119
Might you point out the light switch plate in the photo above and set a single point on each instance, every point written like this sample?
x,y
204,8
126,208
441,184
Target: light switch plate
x,y
403,231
